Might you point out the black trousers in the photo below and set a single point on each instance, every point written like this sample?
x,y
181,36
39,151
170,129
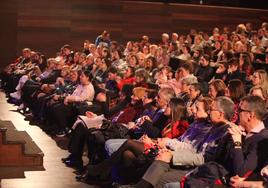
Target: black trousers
x,y
77,141
95,145
62,115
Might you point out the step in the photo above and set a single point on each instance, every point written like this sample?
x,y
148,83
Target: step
x,y
7,124
30,147
11,172
14,136
31,155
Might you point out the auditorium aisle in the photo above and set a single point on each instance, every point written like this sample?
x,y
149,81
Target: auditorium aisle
x,y
56,174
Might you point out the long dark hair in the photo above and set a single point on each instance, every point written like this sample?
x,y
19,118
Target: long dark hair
x,y
236,89
178,109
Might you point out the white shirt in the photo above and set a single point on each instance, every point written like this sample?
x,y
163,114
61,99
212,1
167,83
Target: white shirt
x,y
256,130
84,93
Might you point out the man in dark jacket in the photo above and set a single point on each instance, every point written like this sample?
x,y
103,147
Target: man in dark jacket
x,y
161,172
244,154
248,153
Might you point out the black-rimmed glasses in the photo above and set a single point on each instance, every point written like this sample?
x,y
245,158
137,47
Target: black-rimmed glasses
x,y
242,110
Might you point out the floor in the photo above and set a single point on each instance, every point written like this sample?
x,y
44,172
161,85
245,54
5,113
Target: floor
x,y
56,174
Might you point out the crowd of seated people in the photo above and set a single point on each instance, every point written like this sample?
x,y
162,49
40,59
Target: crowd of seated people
x,y
149,114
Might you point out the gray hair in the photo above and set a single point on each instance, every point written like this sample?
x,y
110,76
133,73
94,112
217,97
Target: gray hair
x,y
226,105
189,80
168,93
256,105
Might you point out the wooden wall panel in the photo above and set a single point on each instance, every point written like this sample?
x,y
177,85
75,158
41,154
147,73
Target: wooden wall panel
x,y
43,25
8,33
47,25
143,18
89,19
206,17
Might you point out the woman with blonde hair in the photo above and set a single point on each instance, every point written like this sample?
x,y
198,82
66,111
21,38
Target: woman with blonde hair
x,y
260,78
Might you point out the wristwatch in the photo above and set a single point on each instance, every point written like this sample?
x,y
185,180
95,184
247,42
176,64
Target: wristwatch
x,y
237,144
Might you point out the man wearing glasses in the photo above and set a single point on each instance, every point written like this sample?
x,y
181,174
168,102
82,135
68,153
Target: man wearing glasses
x,y
243,151
161,172
250,139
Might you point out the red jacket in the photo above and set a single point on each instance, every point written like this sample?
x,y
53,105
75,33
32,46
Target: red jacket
x,y
175,129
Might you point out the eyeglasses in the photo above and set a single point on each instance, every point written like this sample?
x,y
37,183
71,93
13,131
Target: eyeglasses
x,y
242,110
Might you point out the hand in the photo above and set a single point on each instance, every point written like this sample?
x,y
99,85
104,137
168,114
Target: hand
x,y
162,142
143,119
44,86
101,97
94,67
38,79
90,114
146,140
56,97
250,77
60,81
164,155
236,132
229,70
264,171
236,181
132,125
189,110
66,100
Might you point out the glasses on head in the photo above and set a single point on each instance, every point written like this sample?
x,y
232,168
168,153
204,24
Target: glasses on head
x,y
242,110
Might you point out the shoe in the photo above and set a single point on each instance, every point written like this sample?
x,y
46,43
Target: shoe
x,y
21,107
61,134
80,171
68,130
94,180
34,121
66,158
15,95
27,110
118,185
74,164
81,176
28,115
49,130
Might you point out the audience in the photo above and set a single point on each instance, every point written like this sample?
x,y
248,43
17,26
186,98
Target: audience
x,y
220,81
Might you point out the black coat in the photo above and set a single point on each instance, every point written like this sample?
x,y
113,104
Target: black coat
x,y
252,157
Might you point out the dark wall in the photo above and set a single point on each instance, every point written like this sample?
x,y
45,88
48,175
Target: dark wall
x,y
47,25
8,31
